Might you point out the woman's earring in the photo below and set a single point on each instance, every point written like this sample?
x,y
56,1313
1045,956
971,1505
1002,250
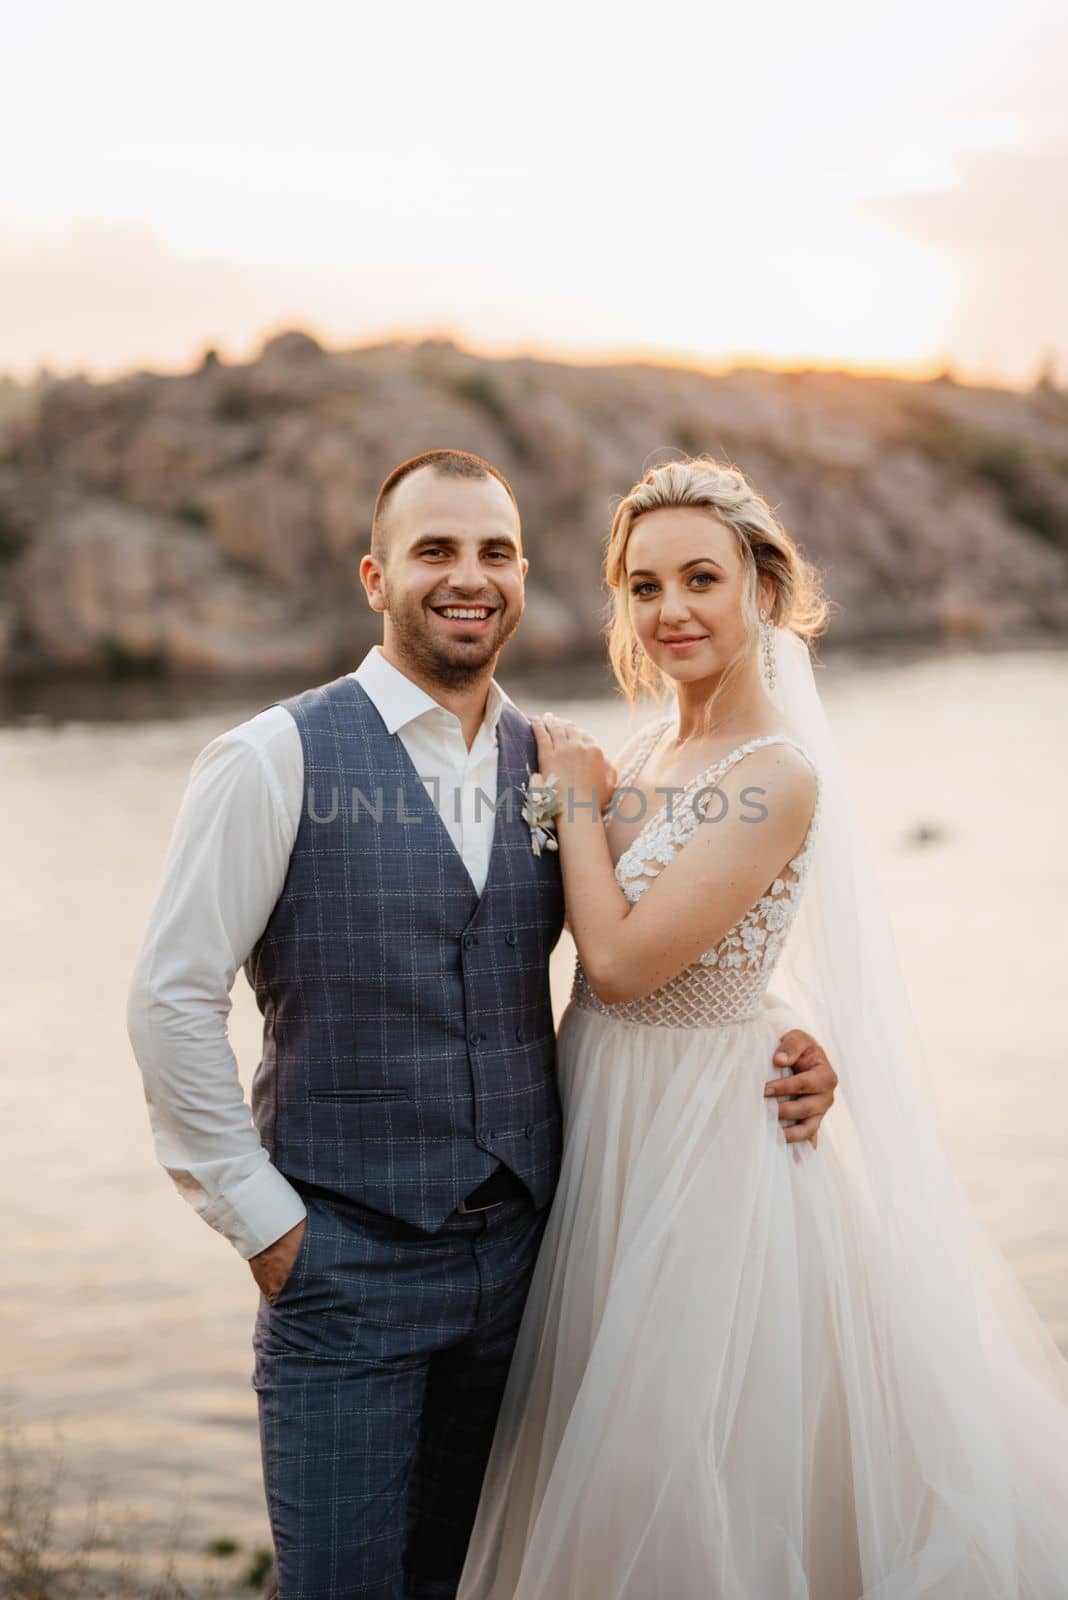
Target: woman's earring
x,y
767,640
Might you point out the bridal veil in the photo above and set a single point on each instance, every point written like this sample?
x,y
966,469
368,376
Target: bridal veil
x,y
980,1450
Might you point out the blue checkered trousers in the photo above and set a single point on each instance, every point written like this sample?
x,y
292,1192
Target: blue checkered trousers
x,y
408,1053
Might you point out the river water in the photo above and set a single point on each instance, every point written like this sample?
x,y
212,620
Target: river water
x,y
126,1321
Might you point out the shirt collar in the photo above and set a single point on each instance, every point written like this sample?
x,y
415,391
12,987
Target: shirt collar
x,y
399,701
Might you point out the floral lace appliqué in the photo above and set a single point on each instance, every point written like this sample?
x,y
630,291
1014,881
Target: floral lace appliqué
x,y
726,983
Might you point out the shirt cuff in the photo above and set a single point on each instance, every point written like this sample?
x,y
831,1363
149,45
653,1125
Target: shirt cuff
x,y
258,1211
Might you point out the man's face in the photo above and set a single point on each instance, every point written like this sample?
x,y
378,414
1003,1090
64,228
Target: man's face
x,y
451,582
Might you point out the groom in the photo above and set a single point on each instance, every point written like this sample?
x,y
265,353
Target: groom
x,y
356,848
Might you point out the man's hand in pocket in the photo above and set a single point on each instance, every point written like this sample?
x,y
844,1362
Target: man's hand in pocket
x,y
271,1267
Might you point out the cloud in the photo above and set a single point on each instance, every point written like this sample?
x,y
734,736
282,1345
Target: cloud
x,y
104,297
1005,226
1003,200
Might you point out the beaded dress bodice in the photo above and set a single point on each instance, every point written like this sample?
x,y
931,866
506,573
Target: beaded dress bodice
x,y
728,982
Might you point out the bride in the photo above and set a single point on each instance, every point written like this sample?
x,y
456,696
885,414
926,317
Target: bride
x,y
745,1373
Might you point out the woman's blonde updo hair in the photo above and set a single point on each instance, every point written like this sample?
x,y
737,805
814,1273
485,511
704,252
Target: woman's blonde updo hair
x,y
766,549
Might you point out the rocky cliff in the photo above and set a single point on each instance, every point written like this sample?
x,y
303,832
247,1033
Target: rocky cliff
x,y
214,521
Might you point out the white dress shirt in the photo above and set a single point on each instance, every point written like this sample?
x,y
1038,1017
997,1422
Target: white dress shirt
x,y
223,874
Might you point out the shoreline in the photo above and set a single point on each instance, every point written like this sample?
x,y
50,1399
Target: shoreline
x,y
63,699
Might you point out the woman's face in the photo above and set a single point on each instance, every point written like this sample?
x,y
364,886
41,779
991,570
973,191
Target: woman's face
x,y
684,586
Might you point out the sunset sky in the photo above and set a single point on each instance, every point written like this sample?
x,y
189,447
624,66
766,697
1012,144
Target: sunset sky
x,y
879,185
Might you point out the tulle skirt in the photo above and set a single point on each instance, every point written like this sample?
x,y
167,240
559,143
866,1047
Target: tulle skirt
x,y
708,1396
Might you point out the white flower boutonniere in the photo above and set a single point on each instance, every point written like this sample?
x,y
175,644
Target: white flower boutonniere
x,y
541,803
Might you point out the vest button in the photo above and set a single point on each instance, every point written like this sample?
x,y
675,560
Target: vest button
x,y
511,938
476,1037
469,940
529,1130
521,1035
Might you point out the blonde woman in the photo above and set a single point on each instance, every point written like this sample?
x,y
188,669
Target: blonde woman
x,y
739,1376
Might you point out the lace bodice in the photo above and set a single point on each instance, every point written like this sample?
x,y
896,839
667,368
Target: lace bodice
x,y
726,983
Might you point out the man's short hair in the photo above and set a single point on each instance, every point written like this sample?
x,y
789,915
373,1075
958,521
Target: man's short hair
x,y
447,464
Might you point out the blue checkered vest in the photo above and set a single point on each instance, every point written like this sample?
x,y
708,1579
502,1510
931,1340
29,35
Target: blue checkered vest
x,y
408,1041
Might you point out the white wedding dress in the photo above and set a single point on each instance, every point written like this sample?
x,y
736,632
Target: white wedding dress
x,y
711,1397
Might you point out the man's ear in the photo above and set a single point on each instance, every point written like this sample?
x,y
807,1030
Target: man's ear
x,y
371,578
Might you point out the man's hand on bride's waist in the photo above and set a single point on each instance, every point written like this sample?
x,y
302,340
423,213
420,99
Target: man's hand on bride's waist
x,y
812,1081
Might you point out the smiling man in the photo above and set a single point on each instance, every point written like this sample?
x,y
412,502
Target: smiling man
x,y
445,544
391,1184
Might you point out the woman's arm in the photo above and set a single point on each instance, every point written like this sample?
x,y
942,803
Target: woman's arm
x,y
622,756
627,951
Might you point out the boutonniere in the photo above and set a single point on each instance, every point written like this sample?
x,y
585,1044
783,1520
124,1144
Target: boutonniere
x,y
541,803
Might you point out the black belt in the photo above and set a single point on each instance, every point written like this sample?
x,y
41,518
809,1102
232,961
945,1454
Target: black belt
x,y
502,1184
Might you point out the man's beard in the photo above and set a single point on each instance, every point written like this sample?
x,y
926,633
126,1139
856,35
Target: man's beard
x,y
454,664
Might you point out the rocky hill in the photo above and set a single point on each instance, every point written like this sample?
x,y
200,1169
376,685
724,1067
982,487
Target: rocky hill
x,y
214,521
